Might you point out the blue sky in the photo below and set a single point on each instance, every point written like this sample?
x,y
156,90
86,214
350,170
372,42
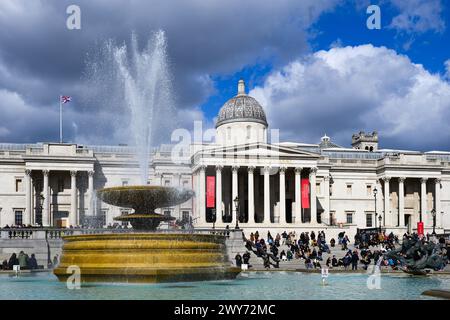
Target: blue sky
x,y
346,25
312,64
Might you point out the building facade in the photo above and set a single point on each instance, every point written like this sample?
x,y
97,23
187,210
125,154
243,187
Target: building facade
x,y
242,178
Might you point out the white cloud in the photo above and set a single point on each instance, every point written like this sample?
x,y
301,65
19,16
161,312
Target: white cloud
x,y
418,16
344,90
447,69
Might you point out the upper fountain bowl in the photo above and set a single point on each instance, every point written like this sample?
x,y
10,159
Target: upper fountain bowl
x,y
144,199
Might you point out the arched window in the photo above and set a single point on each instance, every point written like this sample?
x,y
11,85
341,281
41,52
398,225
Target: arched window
x,y
249,132
367,148
371,149
229,133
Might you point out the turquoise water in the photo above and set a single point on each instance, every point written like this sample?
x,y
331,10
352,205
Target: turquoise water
x,y
249,286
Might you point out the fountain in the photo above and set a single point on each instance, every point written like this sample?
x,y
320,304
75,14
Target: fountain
x,y
145,254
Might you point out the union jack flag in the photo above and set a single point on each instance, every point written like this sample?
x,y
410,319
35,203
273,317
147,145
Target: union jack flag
x,y
65,99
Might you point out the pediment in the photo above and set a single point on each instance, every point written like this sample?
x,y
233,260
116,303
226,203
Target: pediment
x,y
258,150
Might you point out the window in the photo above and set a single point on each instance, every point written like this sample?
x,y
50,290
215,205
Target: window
x,y
185,216
318,189
369,190
124,183
349,189
185,183
332,218
369,220
167,213
167,183
61,185
18,217
249,131
103,216
149,182
349,217
19,186
229,133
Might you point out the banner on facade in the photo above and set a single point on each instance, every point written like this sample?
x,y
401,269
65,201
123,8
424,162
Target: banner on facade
x,y
420,228
210,191
305,193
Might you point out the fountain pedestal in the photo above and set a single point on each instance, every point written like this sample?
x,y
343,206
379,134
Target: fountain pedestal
x,y
146,257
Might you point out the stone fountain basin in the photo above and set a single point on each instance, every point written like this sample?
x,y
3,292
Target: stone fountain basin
x,y
144,199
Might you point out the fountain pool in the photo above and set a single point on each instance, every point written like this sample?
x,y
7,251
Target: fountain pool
x,y
250,285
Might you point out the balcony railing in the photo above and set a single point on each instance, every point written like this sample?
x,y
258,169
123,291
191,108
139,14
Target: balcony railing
x,y
55,234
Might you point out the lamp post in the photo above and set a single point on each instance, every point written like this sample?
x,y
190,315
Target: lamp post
x,y
433,213
213,211
379,220
236,204
39,208
375,191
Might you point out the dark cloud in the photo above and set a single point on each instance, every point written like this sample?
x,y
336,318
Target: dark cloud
x,y
40,58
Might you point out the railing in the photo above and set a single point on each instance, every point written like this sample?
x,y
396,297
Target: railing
x,y
54,233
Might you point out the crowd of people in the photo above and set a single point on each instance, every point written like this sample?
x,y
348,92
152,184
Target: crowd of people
x,y
309,247
26,262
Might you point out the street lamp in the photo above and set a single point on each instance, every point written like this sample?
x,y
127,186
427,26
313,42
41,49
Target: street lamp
x,y
375,191
379,220
236,205
40,206
433,213
213,211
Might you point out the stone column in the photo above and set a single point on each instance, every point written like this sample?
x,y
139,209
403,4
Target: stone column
x,y
326,205
28,207
234,192
298,196
423,199
387,201
312,183
437,206
202,195
45,208
91,192
266,195
73,217
282,173
251,197
219,214
401,201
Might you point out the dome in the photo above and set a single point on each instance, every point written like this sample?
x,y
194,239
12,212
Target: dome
x,y
242,107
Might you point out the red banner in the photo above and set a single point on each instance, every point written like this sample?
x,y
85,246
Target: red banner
x,y
305,193
210,191
420,228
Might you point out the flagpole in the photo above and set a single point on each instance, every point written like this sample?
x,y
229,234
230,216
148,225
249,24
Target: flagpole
x,y
60,120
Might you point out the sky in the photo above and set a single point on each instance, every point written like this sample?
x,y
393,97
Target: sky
x,y
313,65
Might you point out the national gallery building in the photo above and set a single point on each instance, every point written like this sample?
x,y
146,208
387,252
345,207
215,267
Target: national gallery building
x,y
243,178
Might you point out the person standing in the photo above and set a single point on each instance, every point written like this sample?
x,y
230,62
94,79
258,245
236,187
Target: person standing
x,y
355,259
238,259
